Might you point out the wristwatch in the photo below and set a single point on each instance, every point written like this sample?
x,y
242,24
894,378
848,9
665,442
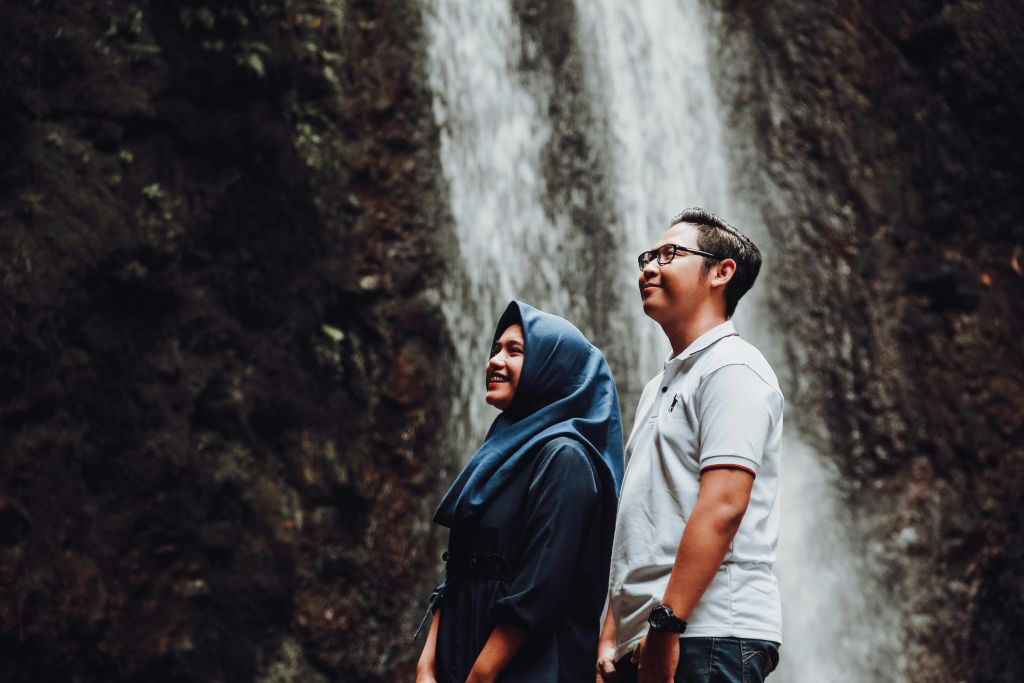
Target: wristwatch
x,y
662,619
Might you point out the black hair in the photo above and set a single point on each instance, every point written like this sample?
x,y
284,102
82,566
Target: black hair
x,y
716,236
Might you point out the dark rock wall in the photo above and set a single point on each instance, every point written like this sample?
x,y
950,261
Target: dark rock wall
x,y
888,163
220,243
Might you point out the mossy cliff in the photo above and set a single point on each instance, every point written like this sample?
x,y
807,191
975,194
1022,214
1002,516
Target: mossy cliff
x,y
220,240
889,159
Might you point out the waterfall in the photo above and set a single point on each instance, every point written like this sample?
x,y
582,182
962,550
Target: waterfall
x,y
492,131
655,144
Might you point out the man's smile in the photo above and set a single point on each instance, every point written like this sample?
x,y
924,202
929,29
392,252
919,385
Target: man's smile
x,y
648,287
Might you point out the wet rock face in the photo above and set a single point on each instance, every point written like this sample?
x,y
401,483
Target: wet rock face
x,y
220,230
890,163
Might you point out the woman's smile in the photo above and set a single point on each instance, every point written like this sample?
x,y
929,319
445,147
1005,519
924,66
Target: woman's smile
x,y
504,367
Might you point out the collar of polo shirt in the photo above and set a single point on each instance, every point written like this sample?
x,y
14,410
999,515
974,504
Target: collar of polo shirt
x,y
701,343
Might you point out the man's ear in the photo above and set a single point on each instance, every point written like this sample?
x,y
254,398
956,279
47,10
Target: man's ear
x,y
722,272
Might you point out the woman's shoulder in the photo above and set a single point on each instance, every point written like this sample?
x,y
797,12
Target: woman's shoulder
x,y
564,447
564,455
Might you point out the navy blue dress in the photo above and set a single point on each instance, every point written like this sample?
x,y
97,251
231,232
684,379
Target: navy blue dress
x,y
546,530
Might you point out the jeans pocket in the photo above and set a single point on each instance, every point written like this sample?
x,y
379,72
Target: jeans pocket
x,y
760,657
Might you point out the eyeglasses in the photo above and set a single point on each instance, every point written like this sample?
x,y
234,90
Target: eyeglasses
x,y
666,252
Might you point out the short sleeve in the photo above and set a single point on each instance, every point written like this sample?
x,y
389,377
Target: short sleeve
x,y
437,597
562,500
737,411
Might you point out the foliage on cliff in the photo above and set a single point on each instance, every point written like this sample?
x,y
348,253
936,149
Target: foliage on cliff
x,y
220,249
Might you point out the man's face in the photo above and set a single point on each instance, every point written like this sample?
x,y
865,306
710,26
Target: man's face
x,y
673,291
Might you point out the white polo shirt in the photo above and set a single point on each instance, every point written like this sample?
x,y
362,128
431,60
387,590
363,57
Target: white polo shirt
x,y
716,403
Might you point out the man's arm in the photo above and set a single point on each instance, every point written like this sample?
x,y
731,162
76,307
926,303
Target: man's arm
x,y
724,494
737,410
721,503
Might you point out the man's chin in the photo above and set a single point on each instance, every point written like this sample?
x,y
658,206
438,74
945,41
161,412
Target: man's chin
x,y
653,310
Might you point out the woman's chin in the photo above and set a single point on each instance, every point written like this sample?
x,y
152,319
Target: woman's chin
x,y
497,400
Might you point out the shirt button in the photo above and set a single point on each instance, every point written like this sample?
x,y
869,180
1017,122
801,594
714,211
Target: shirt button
x,y
664,389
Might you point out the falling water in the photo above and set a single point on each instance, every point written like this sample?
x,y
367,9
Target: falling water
x,y
662,148
493,130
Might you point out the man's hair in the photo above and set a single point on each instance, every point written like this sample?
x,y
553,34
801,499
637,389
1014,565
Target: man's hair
x,y
718,237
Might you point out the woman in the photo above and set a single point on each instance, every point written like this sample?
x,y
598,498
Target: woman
x,y
531,516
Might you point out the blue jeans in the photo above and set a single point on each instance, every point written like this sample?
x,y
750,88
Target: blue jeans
x,y
717,660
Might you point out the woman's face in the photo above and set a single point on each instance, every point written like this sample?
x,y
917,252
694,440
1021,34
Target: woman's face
x,y
504,367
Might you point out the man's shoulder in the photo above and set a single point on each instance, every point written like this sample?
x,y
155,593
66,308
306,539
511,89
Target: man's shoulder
x,y
735,350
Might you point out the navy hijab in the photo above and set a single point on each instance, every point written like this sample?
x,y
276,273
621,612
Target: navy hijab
x,y
565,389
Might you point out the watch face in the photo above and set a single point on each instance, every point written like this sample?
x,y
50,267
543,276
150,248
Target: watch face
x,y
662,619
659,615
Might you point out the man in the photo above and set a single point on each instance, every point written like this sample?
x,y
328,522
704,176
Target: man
x,y
692,596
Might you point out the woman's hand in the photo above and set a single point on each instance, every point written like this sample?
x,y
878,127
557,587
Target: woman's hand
x,y
606,662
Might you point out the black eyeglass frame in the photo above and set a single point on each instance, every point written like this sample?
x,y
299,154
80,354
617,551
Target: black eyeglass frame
x,y
646,257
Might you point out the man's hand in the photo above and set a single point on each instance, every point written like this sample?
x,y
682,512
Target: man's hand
x,y
656,657
605,670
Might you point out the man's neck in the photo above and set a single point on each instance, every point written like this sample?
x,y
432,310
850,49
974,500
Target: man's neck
x,y
682,333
